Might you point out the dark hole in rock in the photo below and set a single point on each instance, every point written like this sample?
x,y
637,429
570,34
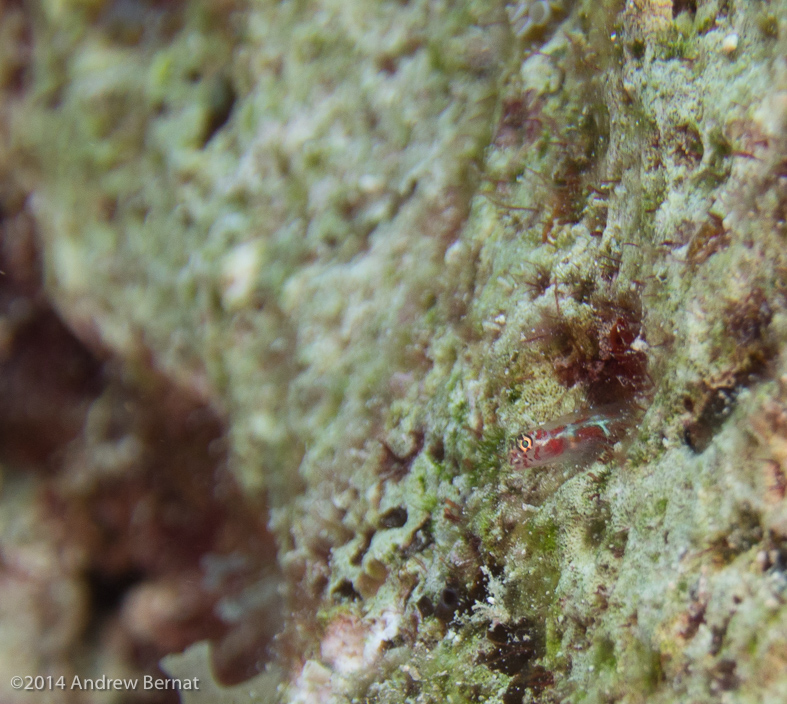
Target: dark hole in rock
x,y
775,552
425,607
638,48
107,591
345,590
699,432
422,538
515,692
748,320
221,101
536,680
742,535
724,677
436,449
357,558
688,146
679,6
452,599
47,377
515,647
394,517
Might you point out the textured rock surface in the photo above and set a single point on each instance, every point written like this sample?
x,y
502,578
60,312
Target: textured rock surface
x,y
377,242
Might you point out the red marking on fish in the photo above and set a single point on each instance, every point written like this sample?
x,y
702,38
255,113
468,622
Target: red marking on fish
x,y
578,437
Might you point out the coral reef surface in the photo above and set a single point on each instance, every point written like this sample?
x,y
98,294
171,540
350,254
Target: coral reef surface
x,y
288,288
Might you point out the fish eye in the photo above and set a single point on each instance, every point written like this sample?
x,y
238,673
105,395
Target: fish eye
x,y
524,443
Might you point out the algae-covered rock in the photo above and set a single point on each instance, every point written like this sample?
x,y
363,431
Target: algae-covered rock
x,y
389,247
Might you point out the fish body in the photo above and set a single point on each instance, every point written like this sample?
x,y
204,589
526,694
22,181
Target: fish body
x,y
578,437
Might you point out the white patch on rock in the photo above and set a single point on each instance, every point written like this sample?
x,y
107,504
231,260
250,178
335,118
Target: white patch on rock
x,y
240,268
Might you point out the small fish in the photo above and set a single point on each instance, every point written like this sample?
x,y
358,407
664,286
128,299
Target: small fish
x,y
578,437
